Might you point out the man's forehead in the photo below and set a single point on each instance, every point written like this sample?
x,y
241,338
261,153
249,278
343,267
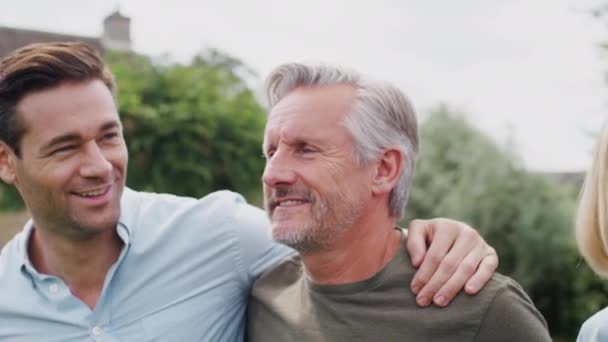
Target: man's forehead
x,y
331,102
71,107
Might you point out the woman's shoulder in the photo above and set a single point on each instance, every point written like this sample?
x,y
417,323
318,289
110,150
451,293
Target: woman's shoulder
x,y
595,329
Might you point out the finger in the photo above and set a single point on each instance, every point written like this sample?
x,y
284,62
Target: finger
x,y
463,273
433,258
419,232
447,267
484,272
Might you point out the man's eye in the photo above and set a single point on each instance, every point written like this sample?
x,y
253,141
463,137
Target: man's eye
x,y
307,149
269,153
110,136
64,149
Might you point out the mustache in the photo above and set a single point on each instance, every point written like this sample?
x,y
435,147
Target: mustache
x,y
281,191
96,181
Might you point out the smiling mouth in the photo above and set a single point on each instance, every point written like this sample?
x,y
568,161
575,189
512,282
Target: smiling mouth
x,y
291,202
285,203
92,193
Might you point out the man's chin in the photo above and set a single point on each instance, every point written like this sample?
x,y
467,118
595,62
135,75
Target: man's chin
x,y
298,237
287,231
97,226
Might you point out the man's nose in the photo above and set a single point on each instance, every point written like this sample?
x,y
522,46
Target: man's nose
x,y
279,169
95,164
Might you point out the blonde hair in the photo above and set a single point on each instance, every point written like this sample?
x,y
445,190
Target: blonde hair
x,y
591,221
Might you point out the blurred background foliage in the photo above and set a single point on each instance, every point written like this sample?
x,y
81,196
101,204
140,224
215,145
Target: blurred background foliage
x,y
197,127
190,129
527,217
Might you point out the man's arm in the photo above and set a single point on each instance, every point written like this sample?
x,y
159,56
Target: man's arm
x,y
457,257
257,252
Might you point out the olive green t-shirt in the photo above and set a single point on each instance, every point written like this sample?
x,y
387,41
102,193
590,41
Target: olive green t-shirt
x,y
286,306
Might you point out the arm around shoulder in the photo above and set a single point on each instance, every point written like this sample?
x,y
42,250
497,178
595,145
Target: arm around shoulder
x,y
258,251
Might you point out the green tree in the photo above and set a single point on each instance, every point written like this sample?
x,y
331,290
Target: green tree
x,y
190,129
463,174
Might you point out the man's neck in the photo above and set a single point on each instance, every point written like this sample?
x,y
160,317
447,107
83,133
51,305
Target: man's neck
x,y
81,263
362,252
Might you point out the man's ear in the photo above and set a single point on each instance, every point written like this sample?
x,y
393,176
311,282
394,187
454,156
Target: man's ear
x,y
388,170
8,160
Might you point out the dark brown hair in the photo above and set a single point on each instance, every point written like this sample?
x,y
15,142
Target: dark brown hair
x,y
43,66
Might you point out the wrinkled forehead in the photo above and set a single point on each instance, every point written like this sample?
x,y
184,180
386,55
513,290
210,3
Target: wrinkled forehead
x,y
313,105
311,115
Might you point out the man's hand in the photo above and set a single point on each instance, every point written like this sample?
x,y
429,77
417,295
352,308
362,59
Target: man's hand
x,y
457,256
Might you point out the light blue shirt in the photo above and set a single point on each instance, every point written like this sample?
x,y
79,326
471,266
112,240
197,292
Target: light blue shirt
x,y
184,274
595,329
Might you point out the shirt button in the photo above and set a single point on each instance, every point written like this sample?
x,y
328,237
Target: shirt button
x,y
97,331
54,288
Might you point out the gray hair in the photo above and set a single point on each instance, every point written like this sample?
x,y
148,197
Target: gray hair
x,y
382,117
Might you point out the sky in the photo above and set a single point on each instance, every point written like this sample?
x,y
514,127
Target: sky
x,y
529,73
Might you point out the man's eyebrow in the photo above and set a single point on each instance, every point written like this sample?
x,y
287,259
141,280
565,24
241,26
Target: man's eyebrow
x,y
295,141
110,125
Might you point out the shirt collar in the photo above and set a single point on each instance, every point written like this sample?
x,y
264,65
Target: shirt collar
x,y
24,238
123,229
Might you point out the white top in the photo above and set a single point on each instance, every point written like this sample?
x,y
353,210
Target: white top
x,y
595,329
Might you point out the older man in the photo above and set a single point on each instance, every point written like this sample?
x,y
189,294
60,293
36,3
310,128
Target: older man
x,y
341,152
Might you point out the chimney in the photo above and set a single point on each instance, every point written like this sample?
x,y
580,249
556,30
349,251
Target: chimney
x,y
116,32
